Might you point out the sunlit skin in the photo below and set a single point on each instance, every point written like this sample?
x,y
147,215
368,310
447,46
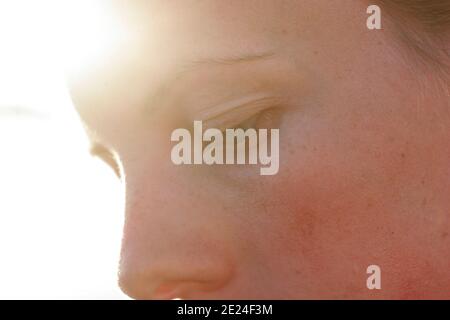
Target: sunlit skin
x,y
364,172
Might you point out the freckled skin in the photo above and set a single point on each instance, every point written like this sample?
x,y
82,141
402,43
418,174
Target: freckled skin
x,y
364,140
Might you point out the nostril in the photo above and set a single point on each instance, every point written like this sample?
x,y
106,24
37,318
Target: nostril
x,y
184,289
173,290
143,290
167,291
146,286
184,285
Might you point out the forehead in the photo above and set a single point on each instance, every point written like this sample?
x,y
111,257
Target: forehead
x,y
183,29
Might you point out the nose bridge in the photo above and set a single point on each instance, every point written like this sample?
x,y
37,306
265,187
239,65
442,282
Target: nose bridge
x,y
171,240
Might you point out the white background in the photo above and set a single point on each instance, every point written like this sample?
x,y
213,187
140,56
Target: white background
x,y
60,209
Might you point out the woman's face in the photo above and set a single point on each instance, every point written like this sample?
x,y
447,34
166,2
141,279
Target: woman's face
x,y
364,153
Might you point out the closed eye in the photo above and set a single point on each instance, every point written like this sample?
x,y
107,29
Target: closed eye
x,y
265,119
268,118
257,114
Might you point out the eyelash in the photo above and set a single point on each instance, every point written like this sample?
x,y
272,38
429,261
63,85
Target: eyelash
x,y
251,109
264,119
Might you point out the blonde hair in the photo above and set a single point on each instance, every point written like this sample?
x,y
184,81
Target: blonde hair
x,y
430,15
425,27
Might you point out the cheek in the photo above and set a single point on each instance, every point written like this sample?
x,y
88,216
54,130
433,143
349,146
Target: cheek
x,y
332,208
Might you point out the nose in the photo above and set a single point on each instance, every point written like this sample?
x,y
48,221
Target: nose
x,y
173,247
